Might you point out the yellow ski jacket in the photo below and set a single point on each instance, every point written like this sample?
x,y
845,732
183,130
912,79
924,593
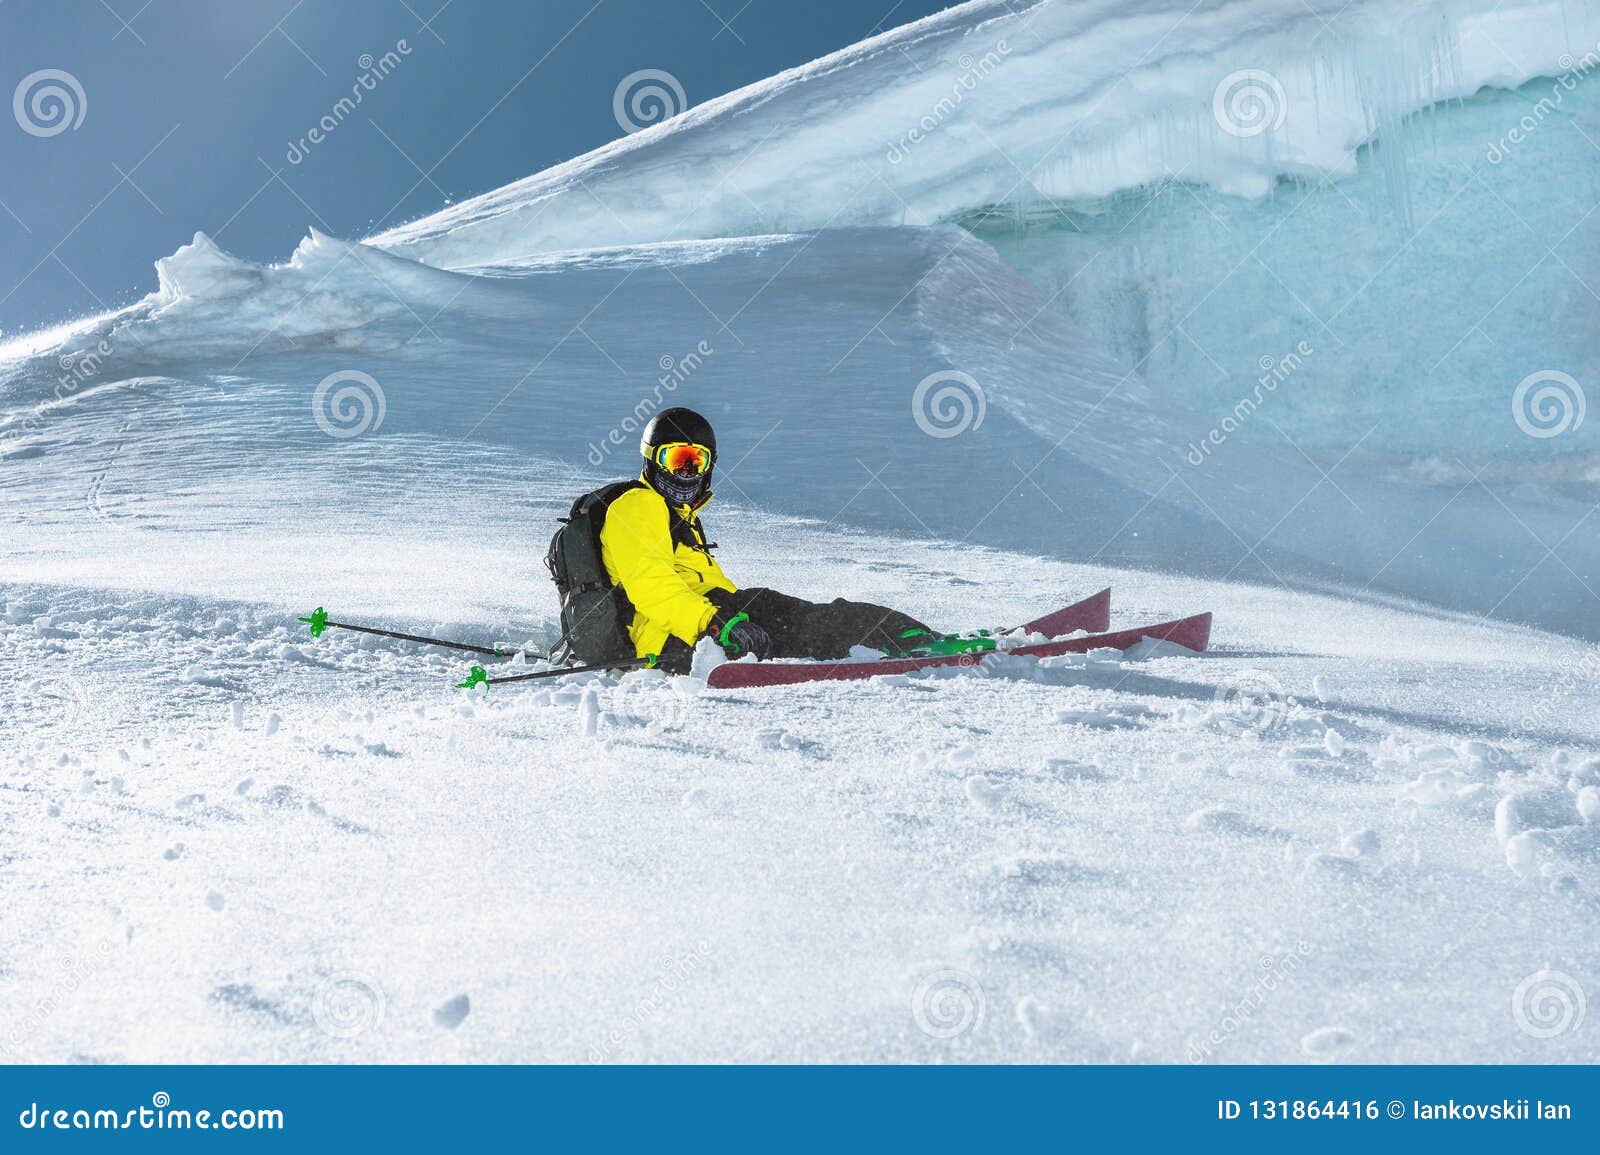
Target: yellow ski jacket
x,y
658,556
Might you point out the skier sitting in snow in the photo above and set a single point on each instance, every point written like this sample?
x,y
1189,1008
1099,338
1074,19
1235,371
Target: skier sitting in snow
x,y
655,552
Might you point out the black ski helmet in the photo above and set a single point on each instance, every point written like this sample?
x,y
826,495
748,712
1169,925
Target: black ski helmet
x,y
677,425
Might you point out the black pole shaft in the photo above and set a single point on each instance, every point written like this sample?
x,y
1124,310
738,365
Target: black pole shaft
x,y
632,664
491,651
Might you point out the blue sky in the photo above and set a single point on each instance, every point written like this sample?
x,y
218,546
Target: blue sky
x,y
189,109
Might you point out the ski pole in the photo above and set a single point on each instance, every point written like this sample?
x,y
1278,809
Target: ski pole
x,y
478,676
318,621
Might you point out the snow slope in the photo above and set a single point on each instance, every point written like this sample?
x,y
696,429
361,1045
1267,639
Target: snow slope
x,y
1015,105
1366,828
228,842
1407,190
225,842
804,348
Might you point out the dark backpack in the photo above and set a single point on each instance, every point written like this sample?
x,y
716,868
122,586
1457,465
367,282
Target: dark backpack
x,y
595,613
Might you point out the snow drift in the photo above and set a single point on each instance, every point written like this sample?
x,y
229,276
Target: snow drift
x,y
1009,106
824,347
1199,189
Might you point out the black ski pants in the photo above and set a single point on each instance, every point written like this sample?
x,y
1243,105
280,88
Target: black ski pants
x,y
821,631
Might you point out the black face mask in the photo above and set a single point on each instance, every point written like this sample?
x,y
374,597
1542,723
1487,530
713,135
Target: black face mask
x,y
680,490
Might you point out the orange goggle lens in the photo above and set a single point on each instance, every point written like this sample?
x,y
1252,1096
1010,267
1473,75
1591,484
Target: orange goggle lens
x,y
683,457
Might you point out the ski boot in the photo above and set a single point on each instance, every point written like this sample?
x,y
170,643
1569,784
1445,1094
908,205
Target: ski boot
x,y
926,644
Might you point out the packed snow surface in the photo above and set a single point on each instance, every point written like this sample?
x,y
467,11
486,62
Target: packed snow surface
x,y
228,842
1364,828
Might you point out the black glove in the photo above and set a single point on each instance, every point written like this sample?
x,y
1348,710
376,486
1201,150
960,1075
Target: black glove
x,y
738,635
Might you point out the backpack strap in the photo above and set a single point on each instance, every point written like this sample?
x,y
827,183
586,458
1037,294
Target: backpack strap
x,y
690,533
594,506
605,495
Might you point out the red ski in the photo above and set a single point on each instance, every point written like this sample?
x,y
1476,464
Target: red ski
x,y
1093,613
1193,633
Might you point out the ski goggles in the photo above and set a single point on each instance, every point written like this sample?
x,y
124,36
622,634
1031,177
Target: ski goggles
x,y
683,457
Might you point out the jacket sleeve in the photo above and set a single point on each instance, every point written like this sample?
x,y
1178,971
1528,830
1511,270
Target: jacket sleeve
x,y
636,546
